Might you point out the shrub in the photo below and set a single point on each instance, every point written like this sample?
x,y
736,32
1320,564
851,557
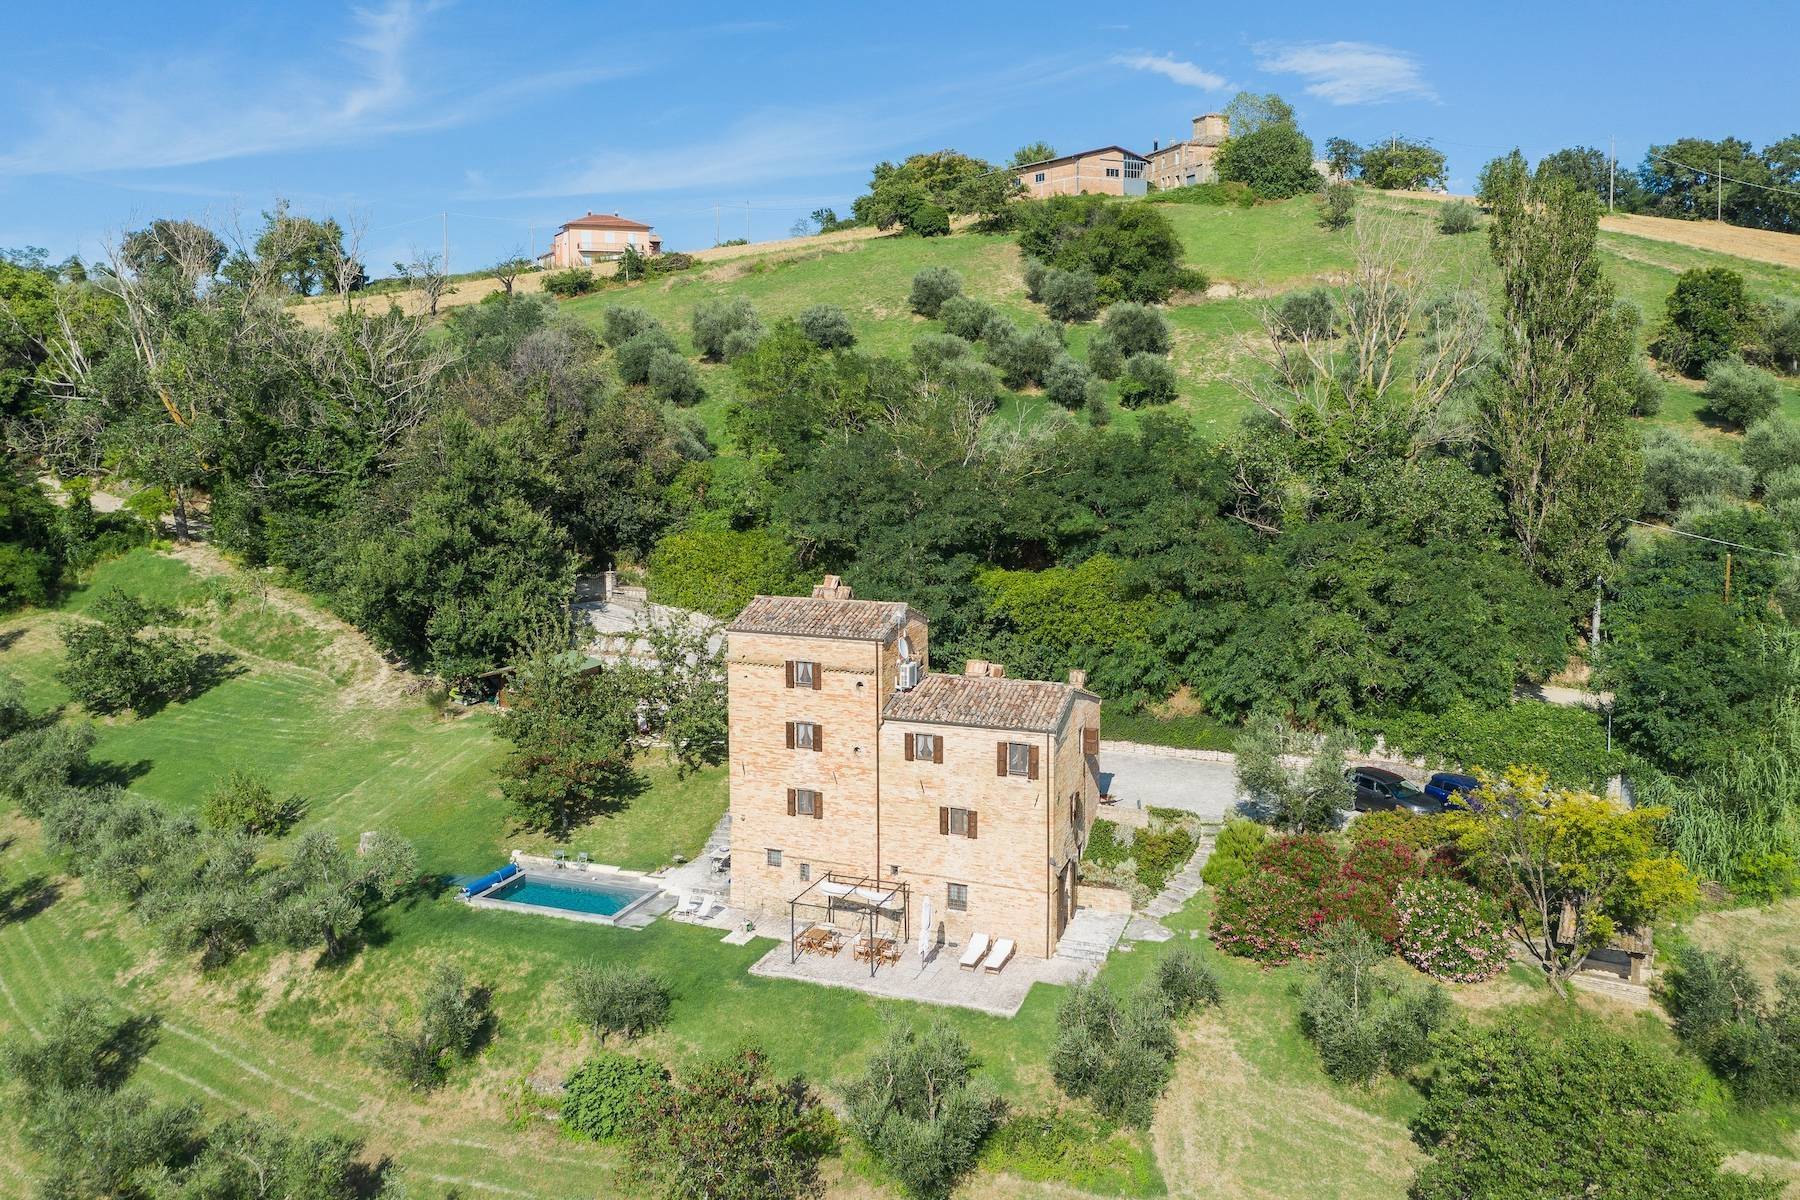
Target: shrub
x,y
1187,980
1071,295
928,220
1035,274
242,802
931,287
1232,193
576,281
1458,217
450,1021
1308,315
619,323
1300,885
1148,379
1680,473
1160,852
1764,876
1780,334
1739,393
1104,358
1308,858
1131,249
1266,917
1770,445
717,571
601,1098
674,379
1338,206
633,357
616,999
1023,357
1567,741
1073,1149
827,326
1707,317
931,352
1066,382
1719,1014
41,764
1397,826
715,320
1137,329
1115,1054
1361,1019
740,342
1234,852
1275,160
966,317
1449,930
918,1111
1646,388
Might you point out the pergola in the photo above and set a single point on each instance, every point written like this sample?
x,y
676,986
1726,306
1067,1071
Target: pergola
x,y
869,900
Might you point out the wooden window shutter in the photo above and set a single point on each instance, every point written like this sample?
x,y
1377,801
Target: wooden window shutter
x,y
909,747
972,816
790,735
818,807
1090,739
1000,758
790,802
818,676
818,738
790,672
937,748
1032,772
944,821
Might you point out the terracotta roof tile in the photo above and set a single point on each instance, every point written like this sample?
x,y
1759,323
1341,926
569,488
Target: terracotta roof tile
x,y
604,221
810,616
983,702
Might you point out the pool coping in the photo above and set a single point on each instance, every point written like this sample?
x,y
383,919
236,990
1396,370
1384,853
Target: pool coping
x,y
654,890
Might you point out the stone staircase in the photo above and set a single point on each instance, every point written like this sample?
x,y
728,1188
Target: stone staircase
x,y
1090,935
1183,885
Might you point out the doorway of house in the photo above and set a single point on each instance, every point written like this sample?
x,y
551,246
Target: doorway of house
x,y
1065,897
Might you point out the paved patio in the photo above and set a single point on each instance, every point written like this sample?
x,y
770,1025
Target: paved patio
x,y
939,980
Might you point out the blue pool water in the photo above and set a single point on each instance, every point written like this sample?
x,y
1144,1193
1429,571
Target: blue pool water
x,y
600,899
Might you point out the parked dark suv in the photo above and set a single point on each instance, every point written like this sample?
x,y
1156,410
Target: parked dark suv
x,y
1378,788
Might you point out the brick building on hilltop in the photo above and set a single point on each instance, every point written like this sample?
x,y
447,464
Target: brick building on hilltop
x,y
852,764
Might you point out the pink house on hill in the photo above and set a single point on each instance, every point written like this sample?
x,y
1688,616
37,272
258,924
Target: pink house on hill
x,y
598,237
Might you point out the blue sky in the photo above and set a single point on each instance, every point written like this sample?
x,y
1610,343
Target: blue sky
x,y
513,118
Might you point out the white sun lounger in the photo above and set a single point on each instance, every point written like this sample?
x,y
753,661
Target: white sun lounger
x,y
1003,950
709,908
971,956
691,905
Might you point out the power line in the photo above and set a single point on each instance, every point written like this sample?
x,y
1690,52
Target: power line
x,y
1700,537
1767,187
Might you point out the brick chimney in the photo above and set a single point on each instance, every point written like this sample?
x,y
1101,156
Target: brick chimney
x,y
996,670
976,668
831,588
1077,677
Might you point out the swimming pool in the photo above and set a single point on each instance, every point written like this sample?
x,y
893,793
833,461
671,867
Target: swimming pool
x,y
566,894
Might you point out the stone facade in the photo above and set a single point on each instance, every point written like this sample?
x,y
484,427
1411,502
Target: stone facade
x,y
886,806
1192,161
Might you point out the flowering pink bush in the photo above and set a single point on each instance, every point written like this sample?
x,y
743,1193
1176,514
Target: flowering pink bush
x,y
1300,885
1266,916
1449,930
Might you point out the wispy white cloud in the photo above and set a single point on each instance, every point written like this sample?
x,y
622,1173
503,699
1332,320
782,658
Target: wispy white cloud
x,y
1348,72
759,148
205,109
1184,73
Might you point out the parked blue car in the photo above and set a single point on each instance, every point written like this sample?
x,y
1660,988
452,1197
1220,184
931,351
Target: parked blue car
x,y
1451,788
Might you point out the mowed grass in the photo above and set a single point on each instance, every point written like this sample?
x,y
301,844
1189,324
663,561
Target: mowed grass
x,y
1261,253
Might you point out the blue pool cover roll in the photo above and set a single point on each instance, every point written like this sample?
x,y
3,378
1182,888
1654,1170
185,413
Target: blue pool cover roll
x,y
478,886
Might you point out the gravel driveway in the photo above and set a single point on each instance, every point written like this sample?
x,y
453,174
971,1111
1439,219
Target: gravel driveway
x,y
1150,780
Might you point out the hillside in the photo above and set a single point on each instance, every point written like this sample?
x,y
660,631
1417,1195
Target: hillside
x,y
1252,256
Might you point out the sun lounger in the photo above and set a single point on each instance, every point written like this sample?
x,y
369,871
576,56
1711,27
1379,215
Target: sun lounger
x,y
690,906
972,954
709,908
582,860
1003,950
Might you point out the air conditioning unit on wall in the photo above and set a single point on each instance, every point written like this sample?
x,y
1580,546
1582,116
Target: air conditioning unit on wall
x,y
911,672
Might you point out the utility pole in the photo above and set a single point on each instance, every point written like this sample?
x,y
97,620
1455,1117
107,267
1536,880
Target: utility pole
x,y
716,237
1728,577
1719,182
1612,168
746,220
1594,628
446,217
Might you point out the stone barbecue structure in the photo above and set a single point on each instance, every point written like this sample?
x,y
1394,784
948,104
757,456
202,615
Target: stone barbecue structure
x,y
853,764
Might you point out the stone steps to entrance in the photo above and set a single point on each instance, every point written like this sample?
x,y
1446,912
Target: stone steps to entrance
x,y
1185,883
1090,935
